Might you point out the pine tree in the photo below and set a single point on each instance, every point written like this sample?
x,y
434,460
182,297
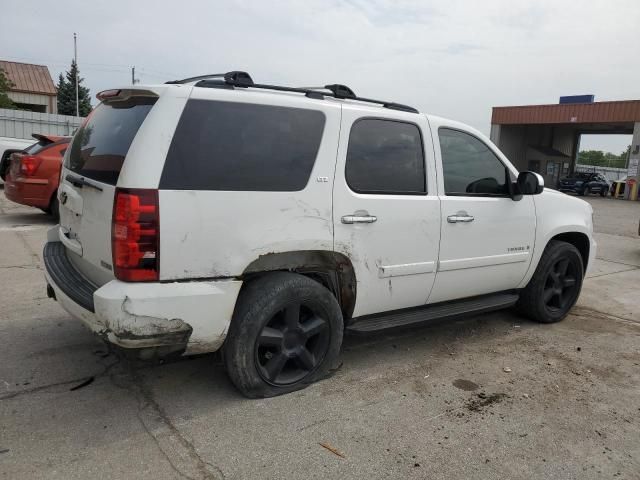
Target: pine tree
x,y
67,93
5,85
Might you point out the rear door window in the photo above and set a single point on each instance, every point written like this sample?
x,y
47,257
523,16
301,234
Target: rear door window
x,y
100,146
385,157
242,147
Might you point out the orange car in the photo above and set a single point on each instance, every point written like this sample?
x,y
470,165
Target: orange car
x,y
32,175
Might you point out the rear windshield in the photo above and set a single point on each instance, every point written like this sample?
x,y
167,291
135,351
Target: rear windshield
x,y
242,147
37,147
99,147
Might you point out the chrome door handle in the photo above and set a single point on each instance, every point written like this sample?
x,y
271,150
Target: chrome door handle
x,y
460,218
349,219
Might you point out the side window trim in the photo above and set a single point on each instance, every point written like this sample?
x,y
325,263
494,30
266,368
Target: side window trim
x,y
466,194
387,192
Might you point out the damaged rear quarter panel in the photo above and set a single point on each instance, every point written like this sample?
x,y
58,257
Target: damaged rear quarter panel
x,y
215,233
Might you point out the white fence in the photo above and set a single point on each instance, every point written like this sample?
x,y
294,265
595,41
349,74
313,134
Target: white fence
x,y
21,124
609,173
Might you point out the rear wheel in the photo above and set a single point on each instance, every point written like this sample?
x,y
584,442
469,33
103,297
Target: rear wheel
x,y
555,286
286,333
603,192
586,191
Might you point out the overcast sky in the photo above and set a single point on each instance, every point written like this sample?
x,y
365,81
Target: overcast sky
x,y
452,58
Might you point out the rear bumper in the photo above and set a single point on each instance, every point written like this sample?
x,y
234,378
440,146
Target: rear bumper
x,y
189,317
35,192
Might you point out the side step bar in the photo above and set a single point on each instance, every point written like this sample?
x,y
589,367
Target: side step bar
x,y
418,315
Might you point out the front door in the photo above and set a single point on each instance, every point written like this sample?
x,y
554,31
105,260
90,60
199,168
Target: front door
x,y
386,209
487,237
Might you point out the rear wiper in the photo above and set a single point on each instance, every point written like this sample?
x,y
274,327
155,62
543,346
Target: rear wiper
x,y
81,182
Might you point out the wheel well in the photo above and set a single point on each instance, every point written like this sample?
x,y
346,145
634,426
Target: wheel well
x,y
578,240
330,269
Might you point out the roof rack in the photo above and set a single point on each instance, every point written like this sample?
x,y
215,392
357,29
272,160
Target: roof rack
x,y
243,80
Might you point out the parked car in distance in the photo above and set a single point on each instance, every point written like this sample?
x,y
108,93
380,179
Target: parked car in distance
x,y
310,213
9,145
32,175
584,184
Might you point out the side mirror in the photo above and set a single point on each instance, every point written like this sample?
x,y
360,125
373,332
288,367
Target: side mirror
x,y
529,183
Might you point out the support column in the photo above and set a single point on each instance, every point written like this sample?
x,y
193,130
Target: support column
x,y
495,134
575,149
633,168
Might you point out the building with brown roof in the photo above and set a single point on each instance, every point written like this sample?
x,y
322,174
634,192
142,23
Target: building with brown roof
x,y
546,138
33,88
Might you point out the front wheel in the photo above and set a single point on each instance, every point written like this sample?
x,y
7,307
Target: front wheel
x,y
555,286
286,333
586,191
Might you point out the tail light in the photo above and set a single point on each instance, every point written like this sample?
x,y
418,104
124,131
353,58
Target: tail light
x,y
29,164
135,235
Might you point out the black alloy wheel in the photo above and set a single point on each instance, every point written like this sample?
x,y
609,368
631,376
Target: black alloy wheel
x,y
555,285
561,285
292,344
285,334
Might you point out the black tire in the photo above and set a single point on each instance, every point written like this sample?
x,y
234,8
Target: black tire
x,y
54,207
551,294
603,193
272,348
586,191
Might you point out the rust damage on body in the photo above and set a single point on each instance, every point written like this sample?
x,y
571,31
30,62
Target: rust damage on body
x,y
332,269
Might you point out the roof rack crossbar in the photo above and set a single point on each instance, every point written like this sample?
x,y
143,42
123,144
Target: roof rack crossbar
x,y
194,79
244,80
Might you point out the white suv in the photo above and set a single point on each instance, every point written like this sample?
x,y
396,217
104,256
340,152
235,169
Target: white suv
x,y
268,221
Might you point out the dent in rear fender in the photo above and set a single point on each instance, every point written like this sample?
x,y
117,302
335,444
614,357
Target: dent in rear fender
x,y
155,314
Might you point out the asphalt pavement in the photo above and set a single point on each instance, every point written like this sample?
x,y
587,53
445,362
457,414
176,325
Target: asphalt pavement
x,y
493,396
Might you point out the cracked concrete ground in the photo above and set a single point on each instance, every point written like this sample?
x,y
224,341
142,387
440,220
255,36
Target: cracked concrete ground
x,y
494,396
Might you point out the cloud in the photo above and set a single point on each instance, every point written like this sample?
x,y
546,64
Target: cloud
x,y
453,58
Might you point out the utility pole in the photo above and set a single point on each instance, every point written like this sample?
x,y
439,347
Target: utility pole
x,y
133,75
75,59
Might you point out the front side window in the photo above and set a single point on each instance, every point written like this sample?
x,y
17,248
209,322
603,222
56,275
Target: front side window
x,y
470,167
242,147
385,157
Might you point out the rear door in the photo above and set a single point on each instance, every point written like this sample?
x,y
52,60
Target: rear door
x,y
88,181
386,211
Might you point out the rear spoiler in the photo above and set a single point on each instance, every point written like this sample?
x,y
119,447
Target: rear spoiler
x,y
47,138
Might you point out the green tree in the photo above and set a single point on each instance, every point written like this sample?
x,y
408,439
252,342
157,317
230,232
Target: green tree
x,y
67,93
5,85
603,159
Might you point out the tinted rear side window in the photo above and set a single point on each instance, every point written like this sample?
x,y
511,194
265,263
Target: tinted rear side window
x,y
242,147
99,147
385,157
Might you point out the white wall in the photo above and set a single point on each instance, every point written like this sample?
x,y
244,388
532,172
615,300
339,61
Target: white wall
x,y
21,124
50,102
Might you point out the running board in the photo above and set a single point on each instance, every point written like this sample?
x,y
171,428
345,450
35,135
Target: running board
x,y
418,315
